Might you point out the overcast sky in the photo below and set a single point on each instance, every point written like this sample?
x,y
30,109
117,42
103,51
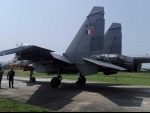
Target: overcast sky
x,y
52,24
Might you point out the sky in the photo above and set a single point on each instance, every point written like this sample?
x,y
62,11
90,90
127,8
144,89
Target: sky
x,y
53,24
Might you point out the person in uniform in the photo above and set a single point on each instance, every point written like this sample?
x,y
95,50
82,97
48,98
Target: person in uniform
x,y
1,75
10,76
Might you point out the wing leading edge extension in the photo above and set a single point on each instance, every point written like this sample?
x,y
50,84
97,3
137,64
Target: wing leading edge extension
x,y
104,64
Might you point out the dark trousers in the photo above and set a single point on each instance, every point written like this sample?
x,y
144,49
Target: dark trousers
x,y
1,76
11,81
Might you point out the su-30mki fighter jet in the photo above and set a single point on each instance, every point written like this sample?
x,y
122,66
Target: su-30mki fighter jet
x,y
90,52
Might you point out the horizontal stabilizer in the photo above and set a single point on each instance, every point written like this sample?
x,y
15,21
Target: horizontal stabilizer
x,y
100,63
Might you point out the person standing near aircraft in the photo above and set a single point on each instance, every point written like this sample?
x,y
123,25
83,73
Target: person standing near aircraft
x,y
1,75
11,75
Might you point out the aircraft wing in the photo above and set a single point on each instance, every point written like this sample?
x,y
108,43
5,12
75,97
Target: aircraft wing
x,y
34,53
24,49
104,64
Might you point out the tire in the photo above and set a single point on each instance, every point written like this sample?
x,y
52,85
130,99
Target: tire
x,y
55,82
32,79
82,80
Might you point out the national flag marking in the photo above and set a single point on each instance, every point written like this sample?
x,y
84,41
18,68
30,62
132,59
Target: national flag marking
x,y
89,31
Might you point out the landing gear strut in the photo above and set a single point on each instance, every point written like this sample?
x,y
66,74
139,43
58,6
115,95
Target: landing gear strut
x,y
32,79
81,80
55,82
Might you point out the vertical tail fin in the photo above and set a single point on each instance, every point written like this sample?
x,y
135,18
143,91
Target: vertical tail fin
x,y
89,39
113,40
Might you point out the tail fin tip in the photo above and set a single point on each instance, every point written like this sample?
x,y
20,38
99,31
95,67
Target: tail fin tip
x,y
115,25
97,9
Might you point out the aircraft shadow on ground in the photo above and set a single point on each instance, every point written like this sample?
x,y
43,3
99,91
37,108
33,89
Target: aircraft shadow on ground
x,y
55,99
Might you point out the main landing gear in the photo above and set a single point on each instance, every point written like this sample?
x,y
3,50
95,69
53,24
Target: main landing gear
x,y
81,80
55,81
32,79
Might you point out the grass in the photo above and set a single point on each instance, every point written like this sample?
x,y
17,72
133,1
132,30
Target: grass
x,y
122,77
8,105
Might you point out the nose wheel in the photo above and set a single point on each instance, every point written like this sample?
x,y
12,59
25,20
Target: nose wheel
x,y
32,79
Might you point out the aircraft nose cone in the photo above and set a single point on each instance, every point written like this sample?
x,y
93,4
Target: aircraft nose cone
x,y
4,66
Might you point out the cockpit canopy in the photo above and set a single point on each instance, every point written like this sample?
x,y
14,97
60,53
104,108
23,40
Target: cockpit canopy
x,y
21,44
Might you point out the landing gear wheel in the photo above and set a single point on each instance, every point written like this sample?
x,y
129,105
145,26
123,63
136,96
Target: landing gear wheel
x,y
55,82
81,80
32,79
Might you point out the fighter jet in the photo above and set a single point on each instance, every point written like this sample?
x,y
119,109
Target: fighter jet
x,y
91,51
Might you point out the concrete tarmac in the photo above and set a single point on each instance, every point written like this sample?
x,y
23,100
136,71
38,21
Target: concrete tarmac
x,y
91,97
